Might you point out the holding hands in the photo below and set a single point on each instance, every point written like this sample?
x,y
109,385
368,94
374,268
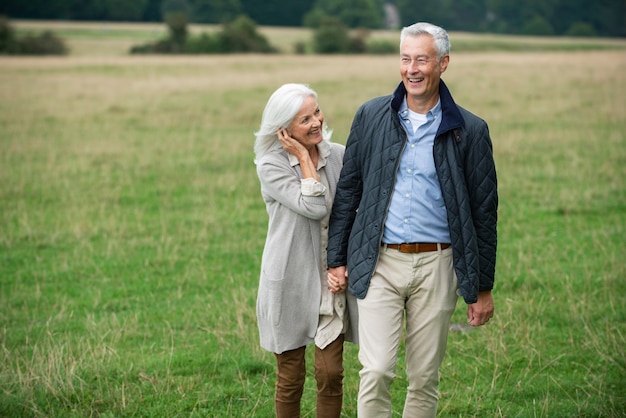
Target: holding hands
x,y
337,279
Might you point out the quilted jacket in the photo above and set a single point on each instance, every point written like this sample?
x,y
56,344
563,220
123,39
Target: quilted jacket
x,y
467,175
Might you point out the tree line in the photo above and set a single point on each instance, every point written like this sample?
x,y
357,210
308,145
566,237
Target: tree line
x,y
533,17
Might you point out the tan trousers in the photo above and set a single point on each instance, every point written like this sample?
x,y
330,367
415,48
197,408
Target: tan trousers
x,y
422,288
291,373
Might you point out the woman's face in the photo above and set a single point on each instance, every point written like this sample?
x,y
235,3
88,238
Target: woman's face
x,y
306,126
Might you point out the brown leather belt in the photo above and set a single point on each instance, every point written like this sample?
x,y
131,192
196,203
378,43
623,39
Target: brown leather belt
x,y
416,247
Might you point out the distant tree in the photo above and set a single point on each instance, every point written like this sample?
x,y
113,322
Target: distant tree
x,y
152,11
176,16
538,25
604,17
313,18
608,17
35,9
276,12
123,9
331,36
215,11
569,12
353,13
428,11
433,11
466,15
541,17
175,6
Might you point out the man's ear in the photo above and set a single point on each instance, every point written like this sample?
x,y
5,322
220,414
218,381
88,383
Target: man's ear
x,y
443,63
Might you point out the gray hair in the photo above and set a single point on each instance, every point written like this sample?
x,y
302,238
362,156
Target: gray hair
x,y
442,42
282,106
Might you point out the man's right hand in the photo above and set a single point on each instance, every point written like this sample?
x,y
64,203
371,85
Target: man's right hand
x,y
337,279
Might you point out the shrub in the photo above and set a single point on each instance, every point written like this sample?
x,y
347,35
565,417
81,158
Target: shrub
x,y
164,46
203,44
238,36
299,47
383,47
241,36
357,43
331,37
46,43
581,29
7,35
142,49
538,25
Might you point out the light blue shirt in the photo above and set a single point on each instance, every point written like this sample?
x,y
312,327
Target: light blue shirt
x,y
417,212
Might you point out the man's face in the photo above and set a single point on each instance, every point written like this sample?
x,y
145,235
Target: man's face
x,y
421,71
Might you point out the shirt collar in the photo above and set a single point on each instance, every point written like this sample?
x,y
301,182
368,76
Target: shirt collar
x,y
433,113
323,148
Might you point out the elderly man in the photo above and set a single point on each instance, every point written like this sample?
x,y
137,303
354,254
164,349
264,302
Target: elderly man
x,y
414,224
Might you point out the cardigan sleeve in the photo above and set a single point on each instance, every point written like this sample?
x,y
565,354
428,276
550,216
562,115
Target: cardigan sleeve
x,y
312,187
280,182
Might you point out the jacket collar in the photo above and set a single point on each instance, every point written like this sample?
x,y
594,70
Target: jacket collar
x,y
451,116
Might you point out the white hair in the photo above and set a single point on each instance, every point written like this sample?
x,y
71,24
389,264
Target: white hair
x,y
280,110
442,42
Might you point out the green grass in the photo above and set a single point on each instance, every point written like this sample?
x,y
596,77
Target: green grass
x,y
131,231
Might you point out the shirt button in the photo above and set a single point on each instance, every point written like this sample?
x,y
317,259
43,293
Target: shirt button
x,y
406,221
407,195
409,171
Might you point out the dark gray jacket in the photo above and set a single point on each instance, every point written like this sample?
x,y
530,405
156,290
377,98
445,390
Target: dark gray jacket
x,y
465,166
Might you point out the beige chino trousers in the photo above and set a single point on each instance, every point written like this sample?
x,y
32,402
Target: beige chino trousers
x,y
420,287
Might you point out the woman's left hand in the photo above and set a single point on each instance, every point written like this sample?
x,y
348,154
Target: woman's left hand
x,y
291,145
336,284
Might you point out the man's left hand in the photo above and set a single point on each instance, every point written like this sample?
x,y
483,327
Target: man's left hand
x,y
481,312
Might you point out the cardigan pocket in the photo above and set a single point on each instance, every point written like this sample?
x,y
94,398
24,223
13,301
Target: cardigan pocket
x,y
270,300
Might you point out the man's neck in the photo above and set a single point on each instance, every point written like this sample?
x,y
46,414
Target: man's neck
x,y
422,106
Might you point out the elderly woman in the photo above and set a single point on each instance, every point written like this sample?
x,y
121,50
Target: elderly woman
x,y
298,303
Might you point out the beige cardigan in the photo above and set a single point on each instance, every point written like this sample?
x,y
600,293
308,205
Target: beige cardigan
x,y
292,285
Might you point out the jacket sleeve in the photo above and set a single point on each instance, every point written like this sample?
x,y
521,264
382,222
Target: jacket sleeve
x,y
483,191
347,198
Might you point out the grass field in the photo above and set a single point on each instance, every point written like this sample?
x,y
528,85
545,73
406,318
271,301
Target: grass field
x,y
132,227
